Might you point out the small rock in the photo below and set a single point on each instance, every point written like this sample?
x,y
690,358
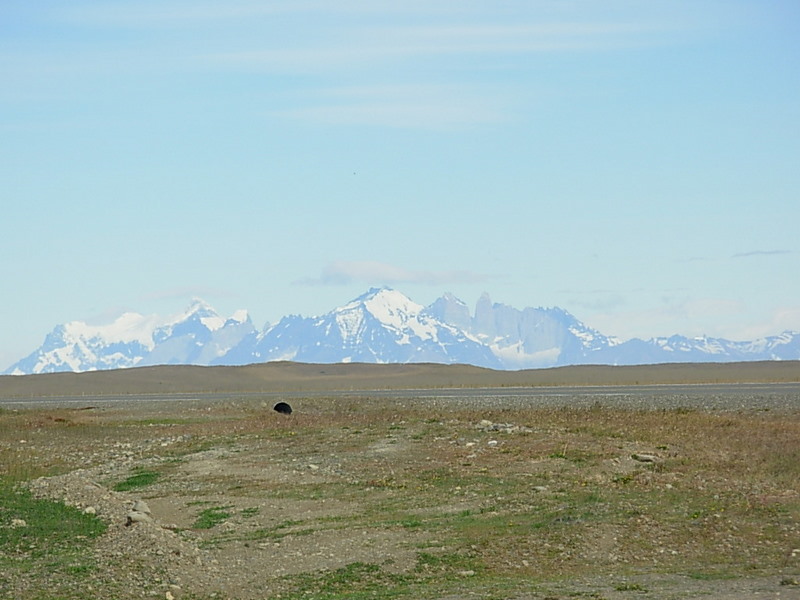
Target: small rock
x,y
18,523
645,458
492,443
175,590
468,573
138,517
90,510
142,507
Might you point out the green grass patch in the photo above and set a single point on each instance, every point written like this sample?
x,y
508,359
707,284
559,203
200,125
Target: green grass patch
x,y
44,541
140,478
39,527
211,517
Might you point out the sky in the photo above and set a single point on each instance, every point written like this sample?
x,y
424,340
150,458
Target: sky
x,y
636,163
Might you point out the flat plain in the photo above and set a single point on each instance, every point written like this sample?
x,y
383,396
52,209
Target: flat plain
x,y
415,481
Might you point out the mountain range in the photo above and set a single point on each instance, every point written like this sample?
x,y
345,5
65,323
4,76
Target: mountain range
x,y
381,326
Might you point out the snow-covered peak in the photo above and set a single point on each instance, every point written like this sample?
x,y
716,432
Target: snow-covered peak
x,y
239,316
128,327
392,308
451,310
199,310
385,304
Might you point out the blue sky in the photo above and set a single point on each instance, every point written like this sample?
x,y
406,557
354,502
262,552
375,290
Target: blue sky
x,y
634,162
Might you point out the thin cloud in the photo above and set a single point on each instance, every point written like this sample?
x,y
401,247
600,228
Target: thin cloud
x,y
181,293
438,107
376,45
374,272
762,253
393,115
178,12
163,13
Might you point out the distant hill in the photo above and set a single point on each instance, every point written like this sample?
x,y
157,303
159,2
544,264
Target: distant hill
x,y
359,377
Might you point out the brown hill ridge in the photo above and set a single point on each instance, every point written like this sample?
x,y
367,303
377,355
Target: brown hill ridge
x,y
301,377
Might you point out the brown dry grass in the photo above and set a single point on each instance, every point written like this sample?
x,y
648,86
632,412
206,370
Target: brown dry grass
x,y
557,498
285,376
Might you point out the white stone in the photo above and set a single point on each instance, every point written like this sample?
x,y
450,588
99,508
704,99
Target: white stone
x,y
138,517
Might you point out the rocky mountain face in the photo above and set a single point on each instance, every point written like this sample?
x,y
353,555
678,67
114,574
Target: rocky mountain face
x,y
532,337
381,326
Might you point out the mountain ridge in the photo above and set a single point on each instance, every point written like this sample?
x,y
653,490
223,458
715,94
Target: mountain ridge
x,y
380,326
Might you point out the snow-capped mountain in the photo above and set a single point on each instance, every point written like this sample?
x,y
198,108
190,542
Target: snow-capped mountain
x,y
381,326
195,336
533,337
680,349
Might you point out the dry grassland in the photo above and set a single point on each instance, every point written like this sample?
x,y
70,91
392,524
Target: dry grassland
x,y
356,496
297,377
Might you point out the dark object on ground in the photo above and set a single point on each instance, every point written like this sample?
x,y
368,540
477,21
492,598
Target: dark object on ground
x,y
283,408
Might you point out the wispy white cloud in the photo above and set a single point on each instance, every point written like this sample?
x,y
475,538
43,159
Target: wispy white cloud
x,y
379,273
368,45
438,107
354,40
762,253
180,12
157,13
